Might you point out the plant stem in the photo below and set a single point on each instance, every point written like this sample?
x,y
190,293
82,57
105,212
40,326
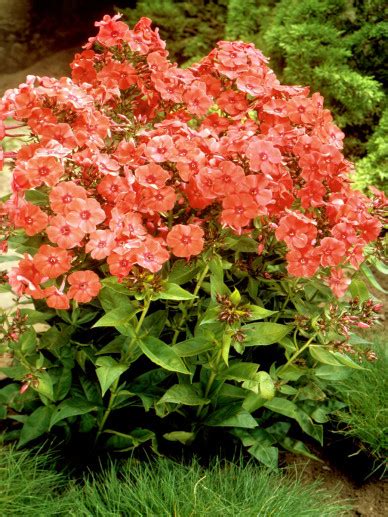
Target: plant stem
x,y
190,304
297,354
212,378
113,390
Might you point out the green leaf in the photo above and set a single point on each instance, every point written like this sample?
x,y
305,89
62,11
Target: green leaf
x,y
298,447
62,383
187,394
108,371
154,323
235,297
36,197
267,455
9,258
267,387
28,341
37,423
332,373
174,292
112,283
258,334
241,243
217,285
240,371
44,385
162,355
358,289
34,316
258,313
225,347
325,356
287,408
124,442
370,276
116,346
193,346
253,401
182,272
231,416
184,437
119,318
69,408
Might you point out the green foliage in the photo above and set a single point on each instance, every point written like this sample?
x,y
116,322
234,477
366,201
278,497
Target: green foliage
x,y
373,168
190,358
337,48
191,27
365,394
30,485
308,43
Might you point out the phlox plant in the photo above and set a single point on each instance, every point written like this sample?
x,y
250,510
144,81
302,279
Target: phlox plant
x,y
190,239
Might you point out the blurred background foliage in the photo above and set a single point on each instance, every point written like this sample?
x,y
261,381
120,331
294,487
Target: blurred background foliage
x,y
337,47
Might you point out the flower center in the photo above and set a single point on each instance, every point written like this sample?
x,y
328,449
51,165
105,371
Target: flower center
x,y
85,215
44,171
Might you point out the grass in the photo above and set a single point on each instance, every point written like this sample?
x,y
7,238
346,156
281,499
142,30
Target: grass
x,y
29,484
366,394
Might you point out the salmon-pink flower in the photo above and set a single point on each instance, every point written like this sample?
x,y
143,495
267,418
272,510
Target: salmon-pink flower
x,y
331,251
55,298
31,218
63,195
302,262
238,210
160,148
44,169
151,255
338,282
120,264
62,233
52,262
86,214
263,155
185,240
152,175
100,244
84,286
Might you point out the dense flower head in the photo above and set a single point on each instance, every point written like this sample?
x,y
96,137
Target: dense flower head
x,y
131,160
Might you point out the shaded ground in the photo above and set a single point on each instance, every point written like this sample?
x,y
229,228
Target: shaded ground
x,y
369,499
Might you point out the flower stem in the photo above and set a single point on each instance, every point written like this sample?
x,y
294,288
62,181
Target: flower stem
x,y
113,390
190,304
297,353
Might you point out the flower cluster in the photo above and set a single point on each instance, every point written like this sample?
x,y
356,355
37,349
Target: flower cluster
x,y
130,161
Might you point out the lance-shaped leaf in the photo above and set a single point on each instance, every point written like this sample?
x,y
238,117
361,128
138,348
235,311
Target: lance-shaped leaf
x,y
108,371
287,408
187,394
174,292
258,334
193,346
161,354
71,407
258,313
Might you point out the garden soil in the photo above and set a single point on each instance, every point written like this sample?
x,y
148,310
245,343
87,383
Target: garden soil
x,y
370,498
